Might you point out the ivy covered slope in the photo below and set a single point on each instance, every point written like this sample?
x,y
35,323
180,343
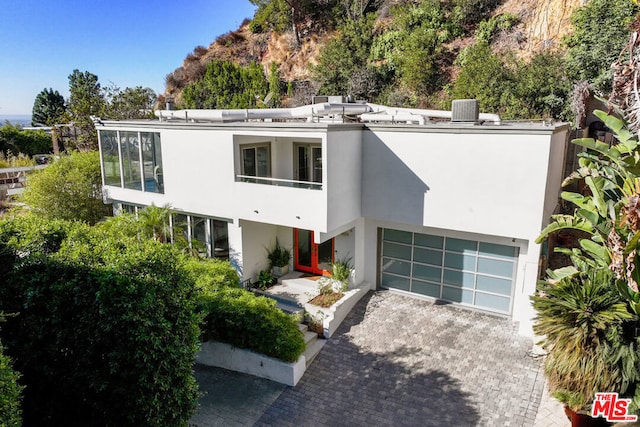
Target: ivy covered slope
x,y
410,53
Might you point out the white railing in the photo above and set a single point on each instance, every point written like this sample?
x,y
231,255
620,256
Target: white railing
x,y
280,182
13,180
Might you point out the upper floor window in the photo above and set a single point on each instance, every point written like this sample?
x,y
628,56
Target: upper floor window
x,y
308,162
132,160
256,160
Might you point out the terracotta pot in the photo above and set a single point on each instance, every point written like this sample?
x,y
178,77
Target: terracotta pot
x,y
584,420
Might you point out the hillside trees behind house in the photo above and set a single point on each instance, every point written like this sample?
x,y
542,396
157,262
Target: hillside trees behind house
x,y
423,53
227,85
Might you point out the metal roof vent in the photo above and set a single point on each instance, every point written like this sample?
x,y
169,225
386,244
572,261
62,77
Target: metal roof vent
x,y
465,111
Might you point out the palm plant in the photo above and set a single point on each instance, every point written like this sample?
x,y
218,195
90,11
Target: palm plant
x,y
583,319
154,222
610,213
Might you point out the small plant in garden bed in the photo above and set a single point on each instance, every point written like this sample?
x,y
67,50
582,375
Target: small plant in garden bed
x,y
265,280
315,323
333,288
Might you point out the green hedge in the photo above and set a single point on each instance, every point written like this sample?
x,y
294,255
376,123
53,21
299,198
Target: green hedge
x,y
10,393
240,318
106,331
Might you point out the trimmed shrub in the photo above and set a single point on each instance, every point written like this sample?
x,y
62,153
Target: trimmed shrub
x,y
106,333
240,318
10,393
211,275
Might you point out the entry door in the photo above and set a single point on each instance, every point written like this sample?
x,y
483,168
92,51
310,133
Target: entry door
x,y
310,257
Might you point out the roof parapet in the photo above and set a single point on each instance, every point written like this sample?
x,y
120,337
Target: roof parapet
x,y
365,111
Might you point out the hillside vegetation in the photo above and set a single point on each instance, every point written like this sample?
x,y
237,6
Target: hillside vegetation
x,y
519,58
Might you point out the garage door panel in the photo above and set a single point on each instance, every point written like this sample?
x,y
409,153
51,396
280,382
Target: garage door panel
x,y
427,256
433,274
493,302
395,282
497,251
461,245
425,288
460,261
397,236
464,271
493,284
402,268
459,279
457,295
429,241
495,267
397,251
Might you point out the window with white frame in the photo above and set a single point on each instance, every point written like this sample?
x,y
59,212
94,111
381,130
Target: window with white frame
x,y
132,160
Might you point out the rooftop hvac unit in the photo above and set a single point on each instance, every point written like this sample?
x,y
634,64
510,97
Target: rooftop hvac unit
x,y
465,111
330,99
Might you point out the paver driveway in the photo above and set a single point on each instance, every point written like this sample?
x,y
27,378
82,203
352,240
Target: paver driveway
x,y
402,361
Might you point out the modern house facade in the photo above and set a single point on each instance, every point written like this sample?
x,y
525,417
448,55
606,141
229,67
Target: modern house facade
x,y
425,203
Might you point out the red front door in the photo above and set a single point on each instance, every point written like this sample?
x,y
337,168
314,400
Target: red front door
x,y
311,257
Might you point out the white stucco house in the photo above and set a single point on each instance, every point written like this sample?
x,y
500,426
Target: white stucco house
x,y
435,204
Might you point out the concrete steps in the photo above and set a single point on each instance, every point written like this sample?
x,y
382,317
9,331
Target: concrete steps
x,y
285,301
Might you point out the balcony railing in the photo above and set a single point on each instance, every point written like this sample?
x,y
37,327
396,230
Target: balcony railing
x,y
280,182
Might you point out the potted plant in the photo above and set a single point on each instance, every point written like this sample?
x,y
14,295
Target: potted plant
x,y
279,260
588,333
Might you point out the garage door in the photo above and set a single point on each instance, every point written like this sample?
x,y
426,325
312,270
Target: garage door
x,y
468,272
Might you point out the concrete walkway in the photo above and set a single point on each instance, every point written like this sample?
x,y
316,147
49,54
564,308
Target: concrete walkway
x,y
394,361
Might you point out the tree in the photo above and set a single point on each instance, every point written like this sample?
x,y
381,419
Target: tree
x,y
344,58
130,103
70,188
85,100
227,85
48,108
601,29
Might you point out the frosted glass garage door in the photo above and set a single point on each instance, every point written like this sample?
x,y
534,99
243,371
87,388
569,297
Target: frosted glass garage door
x,y
468,272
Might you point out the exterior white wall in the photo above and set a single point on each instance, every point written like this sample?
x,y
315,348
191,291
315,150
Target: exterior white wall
x,y
343,176
256,239
492,183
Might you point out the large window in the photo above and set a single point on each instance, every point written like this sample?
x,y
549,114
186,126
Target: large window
x,y
256,160
130,149
132,160
470,272
206,236
110,157
152,161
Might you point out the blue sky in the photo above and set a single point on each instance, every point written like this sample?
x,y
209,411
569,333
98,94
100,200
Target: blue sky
x,y
128,43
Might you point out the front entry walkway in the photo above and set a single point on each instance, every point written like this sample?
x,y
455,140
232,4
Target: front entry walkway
x,y
402,361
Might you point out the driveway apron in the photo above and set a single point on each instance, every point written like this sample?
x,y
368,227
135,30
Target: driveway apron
x,y
402,361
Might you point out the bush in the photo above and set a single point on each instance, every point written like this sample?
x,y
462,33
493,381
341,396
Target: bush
x,y
106,333
10,393
240,318
29,142
70,188
211,275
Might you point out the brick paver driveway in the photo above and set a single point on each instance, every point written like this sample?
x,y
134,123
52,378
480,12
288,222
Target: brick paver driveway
x,y
400,361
